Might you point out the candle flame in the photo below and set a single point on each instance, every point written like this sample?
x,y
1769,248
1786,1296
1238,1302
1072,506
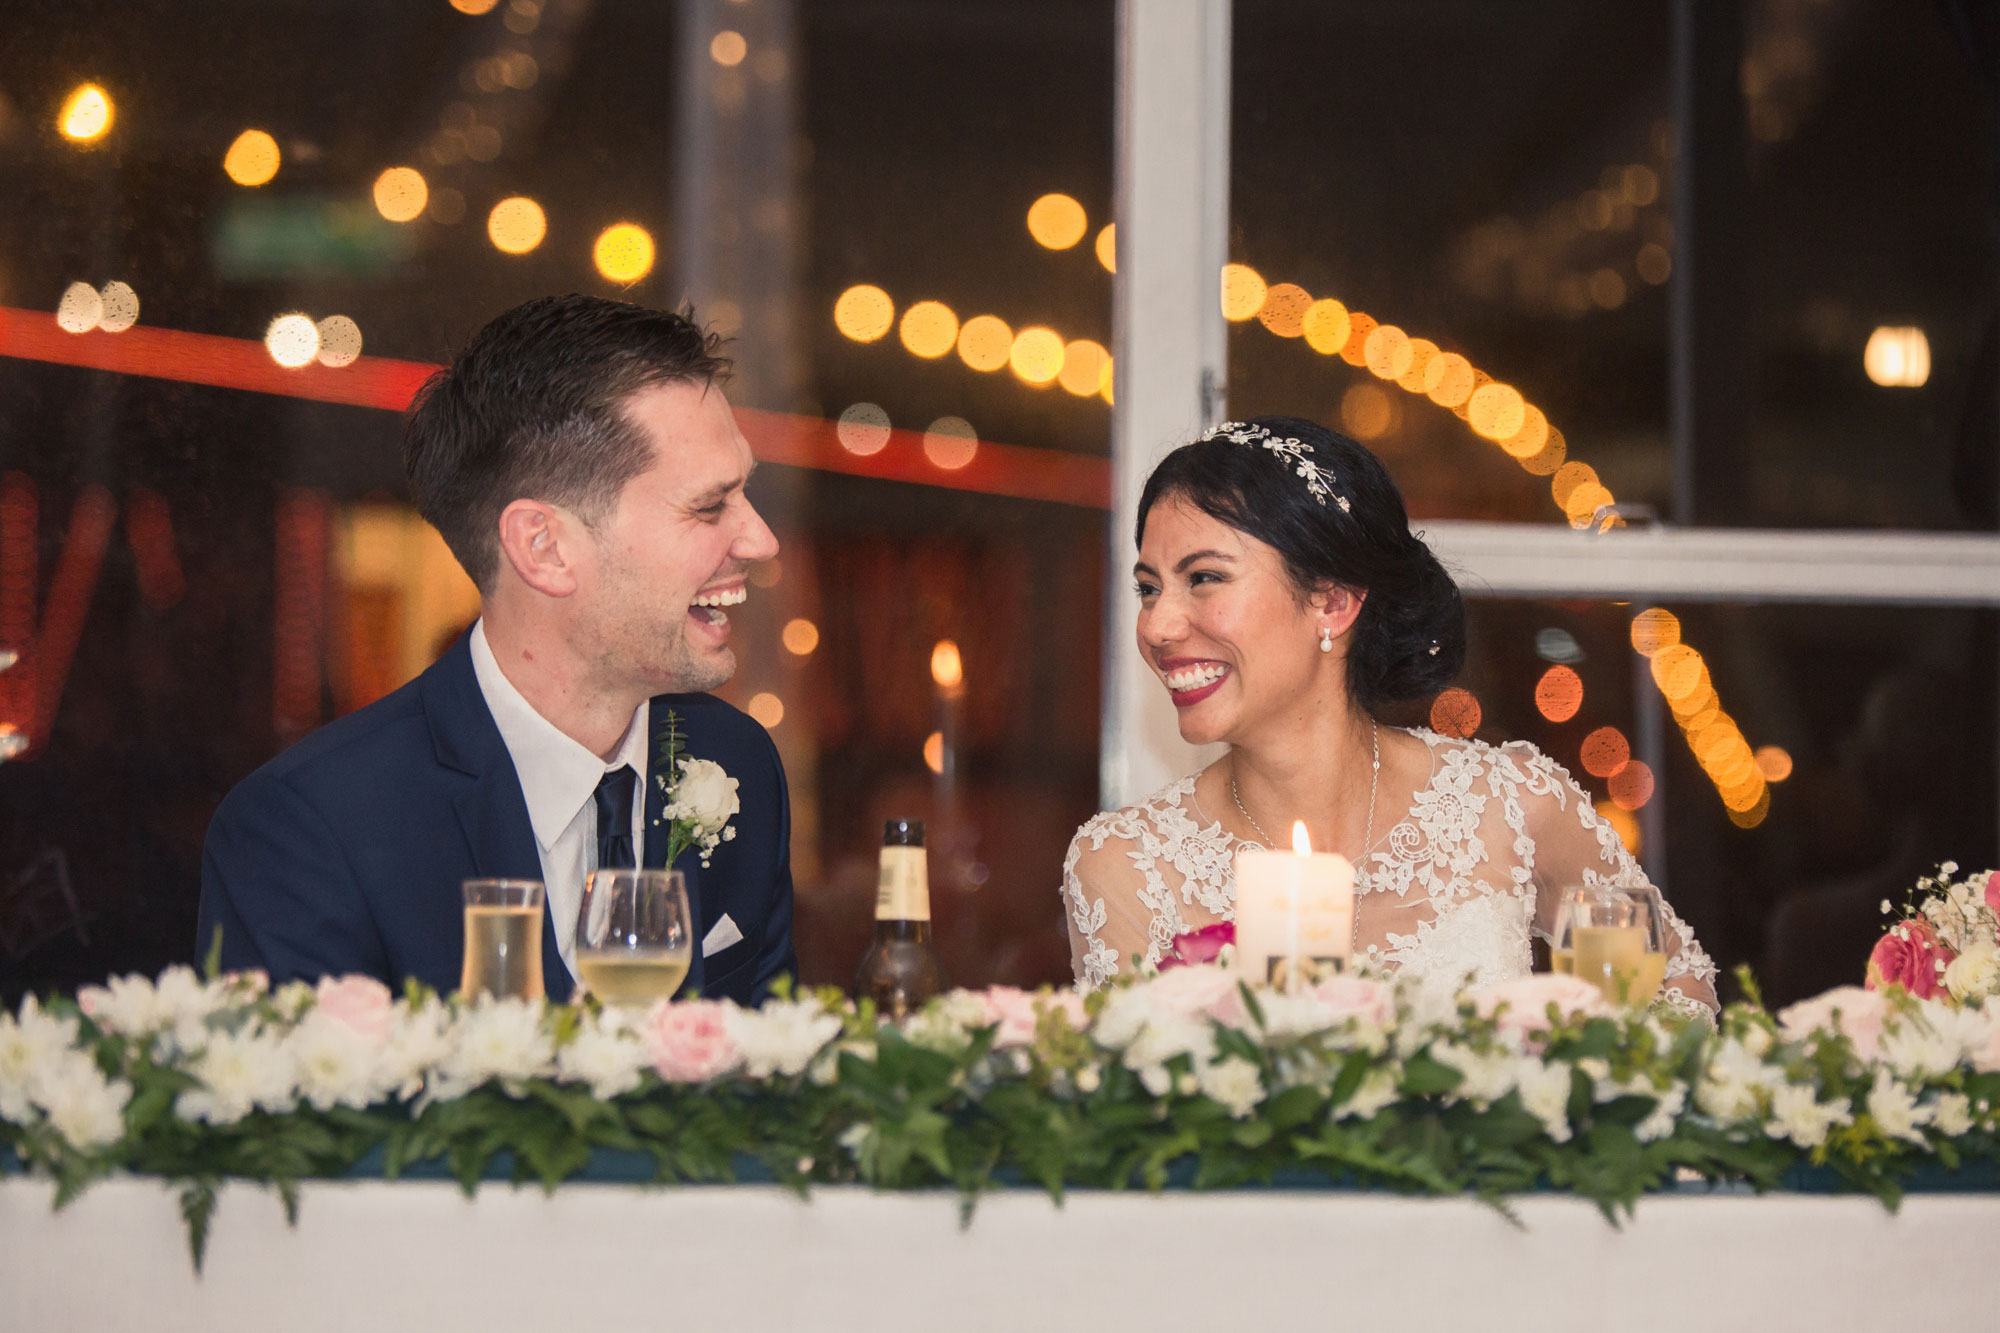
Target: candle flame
x,y
1301,843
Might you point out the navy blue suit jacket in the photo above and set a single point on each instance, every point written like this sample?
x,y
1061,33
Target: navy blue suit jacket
x,y
345,853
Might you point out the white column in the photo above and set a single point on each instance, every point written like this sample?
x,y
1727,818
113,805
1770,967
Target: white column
x,y
1172,212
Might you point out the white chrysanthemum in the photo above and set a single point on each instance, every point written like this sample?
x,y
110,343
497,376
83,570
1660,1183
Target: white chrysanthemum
x,y
782,1037
134,1006
293,999
503,1039
420,1037
1797,1114
1729,1089
1659,1122
1234,1082
1922,1046
1895,1109
1951,1112
1378,1089
1544,1090
85,1107
33,1042
1483,1078
947,1022
607,1053
334,1064
239,1072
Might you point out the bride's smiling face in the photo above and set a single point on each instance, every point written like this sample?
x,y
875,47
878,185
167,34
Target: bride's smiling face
x,y
1223,625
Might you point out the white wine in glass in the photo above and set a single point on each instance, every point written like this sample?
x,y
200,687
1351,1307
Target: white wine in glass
x,y
503,939
634,936
1611,958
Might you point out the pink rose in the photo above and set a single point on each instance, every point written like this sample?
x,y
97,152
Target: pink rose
x,y
357,1002
1522,1005
1211,992
1191,948
1018,1012
690,1041
1992,891
1856,1013
1373,1002
1911,956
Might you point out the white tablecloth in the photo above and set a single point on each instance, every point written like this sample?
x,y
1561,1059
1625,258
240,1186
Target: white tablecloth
x,y
379,1257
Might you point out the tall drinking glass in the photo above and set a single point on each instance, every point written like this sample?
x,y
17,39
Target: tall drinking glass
x,y
634,936
503,939
1607,942
1653,917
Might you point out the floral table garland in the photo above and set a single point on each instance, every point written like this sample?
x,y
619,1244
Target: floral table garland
x,y
1524,1084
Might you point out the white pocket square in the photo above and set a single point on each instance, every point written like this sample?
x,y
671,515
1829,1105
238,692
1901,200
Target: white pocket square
x,y
720,936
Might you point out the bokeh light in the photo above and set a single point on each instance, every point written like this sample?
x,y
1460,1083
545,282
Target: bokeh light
x,y
929,329
1422,350
1107,247
1678,670
339,341
252,159
864,313
934,752
1448,379
727,48
985,342
516,225
1568,478
1243,292
1284,309
1056,221
1455,713
474,7
624,252
1622,823
1559,694
1326,327
863,429
1359,326
1084,366
1037,355
120,305
86,114
401,193
1632,786
951,443
80,308
947,668
800,637
768,709
1653,629
1898,357
292,341
1533,435
1367,411
1604,752
1774,763
1496,411
1387,352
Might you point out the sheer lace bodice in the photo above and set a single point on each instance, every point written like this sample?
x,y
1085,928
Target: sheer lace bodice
x,y
1452,892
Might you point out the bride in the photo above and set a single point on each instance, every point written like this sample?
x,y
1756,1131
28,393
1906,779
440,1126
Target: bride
x,y
1287,608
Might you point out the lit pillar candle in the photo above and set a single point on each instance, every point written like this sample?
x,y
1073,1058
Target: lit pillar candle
x,y
1294,913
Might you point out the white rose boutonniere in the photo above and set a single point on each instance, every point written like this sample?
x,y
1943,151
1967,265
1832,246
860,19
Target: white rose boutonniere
x,y
700,799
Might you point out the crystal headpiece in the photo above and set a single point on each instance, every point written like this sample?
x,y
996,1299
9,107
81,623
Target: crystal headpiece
x,y
1293,452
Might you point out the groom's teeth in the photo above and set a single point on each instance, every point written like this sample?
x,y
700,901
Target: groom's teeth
x,y
1193,678
734,597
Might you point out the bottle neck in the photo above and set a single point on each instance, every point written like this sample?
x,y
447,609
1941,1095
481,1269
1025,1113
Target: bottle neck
x,y
898,931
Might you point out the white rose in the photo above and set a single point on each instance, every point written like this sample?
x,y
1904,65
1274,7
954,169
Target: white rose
x,y
34,1042
240,1072
1974,974
86,1108
607,1053
782,1037
704,795
1235,1082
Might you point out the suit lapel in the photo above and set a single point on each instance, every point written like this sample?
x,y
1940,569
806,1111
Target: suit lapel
x,y
656,840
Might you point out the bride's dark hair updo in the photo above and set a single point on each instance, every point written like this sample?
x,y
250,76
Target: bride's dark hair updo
x,y
1413,606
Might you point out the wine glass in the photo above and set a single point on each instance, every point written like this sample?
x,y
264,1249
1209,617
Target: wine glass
x,y
634,937
1607,941
503,938
1653,965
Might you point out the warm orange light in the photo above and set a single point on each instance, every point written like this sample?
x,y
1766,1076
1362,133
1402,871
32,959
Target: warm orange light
x,y
1632,785
86,114
252,159
1550,458
800,637
1326,327
1359,325
1774,763
1302,842
929,329
1448,379
1622,823
516,225
1037,355
951,443
1107,247
984,342
1678,670
934,752
946,667
864,313
401,193
768,709
727,48
1243,292
1084,366
1559,694
1367,411
474,7
1653,629
339,341
863,429
1056,221
1455,713
1496,411
1533,435
1284,309
1605,751
1654,263
292,341
1898,357
624,252
1422,350
1568,478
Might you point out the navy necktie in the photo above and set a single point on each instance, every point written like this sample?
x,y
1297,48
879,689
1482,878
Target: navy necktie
x,y
614,819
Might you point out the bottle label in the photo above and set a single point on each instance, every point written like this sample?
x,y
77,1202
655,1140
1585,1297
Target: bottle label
x,y
904,891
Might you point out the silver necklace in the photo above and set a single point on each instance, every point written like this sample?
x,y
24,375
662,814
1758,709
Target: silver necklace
x,y
1374,781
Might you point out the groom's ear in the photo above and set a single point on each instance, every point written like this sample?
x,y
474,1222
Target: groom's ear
x,y
538,541
1337,606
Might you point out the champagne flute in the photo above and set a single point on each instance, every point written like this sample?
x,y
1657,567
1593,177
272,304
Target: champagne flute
x,y
1607,941
634,937
503,938
1562,952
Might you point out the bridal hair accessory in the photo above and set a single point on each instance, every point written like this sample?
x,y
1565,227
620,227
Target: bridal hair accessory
x,y
1433,649
1318,479
1325,639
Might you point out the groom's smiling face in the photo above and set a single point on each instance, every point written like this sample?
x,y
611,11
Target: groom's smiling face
x,y
1222,624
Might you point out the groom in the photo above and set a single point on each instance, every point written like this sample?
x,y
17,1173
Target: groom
x,y
582,464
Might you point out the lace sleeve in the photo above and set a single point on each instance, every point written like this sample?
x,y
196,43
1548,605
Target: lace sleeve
x,y
1570,844
1109,921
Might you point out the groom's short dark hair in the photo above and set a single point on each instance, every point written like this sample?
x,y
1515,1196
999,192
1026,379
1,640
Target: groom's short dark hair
x,y
534,407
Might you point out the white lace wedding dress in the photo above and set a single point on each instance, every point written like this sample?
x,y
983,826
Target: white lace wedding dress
x,y
1450,893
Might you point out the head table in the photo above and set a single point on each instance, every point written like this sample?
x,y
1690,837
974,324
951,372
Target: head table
x,y
420,1254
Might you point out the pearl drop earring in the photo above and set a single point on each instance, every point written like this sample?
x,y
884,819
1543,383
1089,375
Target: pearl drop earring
x,y
1325,639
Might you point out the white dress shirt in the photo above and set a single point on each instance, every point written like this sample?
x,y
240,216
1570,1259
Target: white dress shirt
x,y
559,778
